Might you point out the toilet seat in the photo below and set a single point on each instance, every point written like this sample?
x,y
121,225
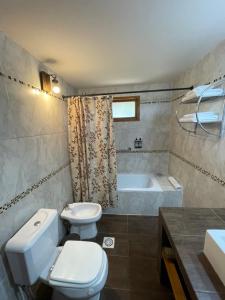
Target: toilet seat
x,y
76,284
55,283
79,262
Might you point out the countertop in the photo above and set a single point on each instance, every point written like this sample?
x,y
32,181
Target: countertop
x,y
185,229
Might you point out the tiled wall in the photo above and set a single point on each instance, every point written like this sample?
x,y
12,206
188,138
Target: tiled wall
x,y
199,161
153,128
34,169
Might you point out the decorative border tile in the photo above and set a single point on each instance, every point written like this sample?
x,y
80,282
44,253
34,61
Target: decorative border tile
x,y
163,101
29,190
141,151
156,102
200,169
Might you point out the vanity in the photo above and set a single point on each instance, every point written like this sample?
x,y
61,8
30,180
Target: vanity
x,y
181,259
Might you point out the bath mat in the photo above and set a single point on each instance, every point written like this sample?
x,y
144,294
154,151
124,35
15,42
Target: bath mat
x,y
108,242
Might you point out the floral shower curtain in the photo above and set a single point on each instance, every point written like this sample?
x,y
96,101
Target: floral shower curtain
x,y
92,150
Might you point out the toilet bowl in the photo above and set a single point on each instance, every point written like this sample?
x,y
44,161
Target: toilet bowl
x,y
78,270
82,218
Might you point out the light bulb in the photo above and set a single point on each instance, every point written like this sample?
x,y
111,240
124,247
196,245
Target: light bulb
x,y
36,91
56,89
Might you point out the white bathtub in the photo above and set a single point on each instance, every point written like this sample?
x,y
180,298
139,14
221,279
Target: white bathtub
x,y
143,194
137,182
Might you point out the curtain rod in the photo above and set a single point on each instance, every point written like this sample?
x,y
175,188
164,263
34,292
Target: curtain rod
x,y
130,92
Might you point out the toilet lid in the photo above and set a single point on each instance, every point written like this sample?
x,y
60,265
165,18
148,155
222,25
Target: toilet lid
x,y
78,262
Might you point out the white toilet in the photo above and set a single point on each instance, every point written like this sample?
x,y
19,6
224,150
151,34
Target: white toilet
x,y
82,218
78,270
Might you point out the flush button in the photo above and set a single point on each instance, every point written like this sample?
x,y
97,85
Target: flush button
x,y
37,223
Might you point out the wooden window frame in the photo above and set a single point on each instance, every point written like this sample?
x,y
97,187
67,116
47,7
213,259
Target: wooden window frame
x,y
135,99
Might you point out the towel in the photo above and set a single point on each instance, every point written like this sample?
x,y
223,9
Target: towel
x,y
203,89
174,183
203,117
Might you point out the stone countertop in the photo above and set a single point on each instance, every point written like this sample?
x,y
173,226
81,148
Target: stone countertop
x,y
185,229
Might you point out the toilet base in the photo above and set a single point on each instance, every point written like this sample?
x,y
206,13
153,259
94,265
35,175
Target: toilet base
x,y
58,296
85,231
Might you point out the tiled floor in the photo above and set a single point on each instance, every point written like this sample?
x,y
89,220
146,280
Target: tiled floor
x,y
133,273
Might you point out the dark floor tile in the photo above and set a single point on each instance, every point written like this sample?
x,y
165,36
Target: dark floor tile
x,y
121,244
150,295
113,224
117,294
114,294
143,245
143,225
44,292
131,245
143,274
136,273
118,276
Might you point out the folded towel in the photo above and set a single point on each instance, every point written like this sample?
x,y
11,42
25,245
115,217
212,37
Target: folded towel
x,y
174,183
202,114
201,120
198,91
203,117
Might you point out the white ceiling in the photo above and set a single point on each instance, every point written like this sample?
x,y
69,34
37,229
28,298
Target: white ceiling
x,y
110,42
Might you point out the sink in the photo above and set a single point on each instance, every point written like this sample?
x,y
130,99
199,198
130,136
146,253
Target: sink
x,y
214,250
82,217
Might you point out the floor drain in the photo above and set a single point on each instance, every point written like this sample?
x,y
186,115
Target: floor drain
x,y
108,242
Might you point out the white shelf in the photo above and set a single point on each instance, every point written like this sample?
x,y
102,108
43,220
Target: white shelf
x,y
202,94
202,122
201,117
203,99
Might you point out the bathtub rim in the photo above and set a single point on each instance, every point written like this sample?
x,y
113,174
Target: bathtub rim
x,y
156,187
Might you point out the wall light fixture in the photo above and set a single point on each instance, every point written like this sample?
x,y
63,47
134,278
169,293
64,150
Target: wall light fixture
x,y
55,84
49,85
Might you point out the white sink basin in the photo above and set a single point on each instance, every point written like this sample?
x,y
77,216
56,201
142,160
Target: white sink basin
x,y
82,217
214,249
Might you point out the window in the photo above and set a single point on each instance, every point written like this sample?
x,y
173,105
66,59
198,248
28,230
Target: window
x,y
126,109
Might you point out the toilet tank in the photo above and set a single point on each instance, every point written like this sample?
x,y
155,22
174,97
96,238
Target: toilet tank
x,y
30,249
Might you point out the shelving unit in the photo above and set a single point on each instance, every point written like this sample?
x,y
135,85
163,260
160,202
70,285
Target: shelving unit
x,y
198,101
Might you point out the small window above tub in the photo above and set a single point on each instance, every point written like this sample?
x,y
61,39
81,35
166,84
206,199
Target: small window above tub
x,y
125,109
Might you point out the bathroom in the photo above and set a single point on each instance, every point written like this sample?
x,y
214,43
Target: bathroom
x,y
167,167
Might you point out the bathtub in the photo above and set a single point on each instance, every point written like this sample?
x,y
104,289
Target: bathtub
x,y
143,194
137,182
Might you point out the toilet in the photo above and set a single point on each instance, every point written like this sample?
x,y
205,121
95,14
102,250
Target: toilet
x,y
78,270
82,218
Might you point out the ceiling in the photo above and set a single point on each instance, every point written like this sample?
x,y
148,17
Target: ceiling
x,y
111,42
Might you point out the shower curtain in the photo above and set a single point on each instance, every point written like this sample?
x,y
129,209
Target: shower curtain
x,y
92,150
